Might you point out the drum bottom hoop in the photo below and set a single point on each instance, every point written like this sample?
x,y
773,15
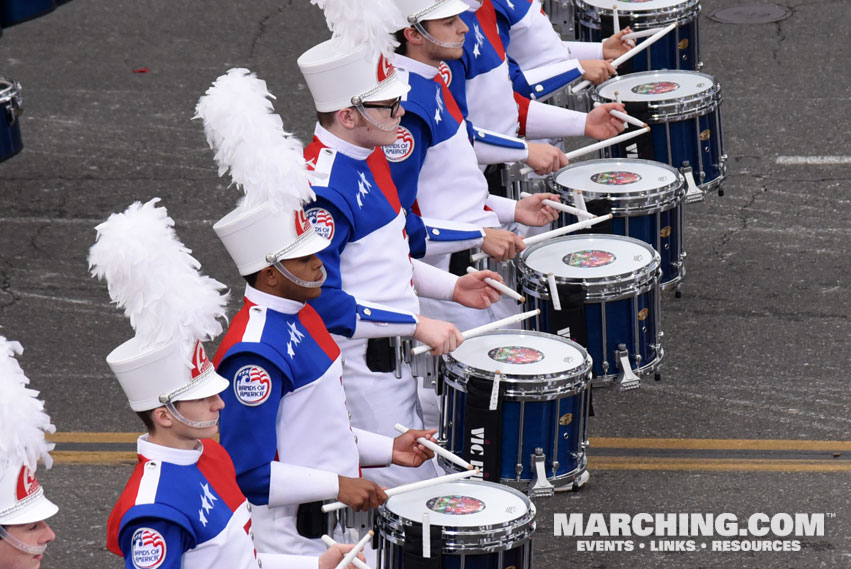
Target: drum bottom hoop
x,y
522,484
643,373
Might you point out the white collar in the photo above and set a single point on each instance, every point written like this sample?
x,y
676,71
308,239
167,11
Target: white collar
x,y
276,303
414,66
331,140
178,456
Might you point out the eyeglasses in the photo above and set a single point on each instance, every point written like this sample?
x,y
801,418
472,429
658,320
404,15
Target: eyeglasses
x,y
394,106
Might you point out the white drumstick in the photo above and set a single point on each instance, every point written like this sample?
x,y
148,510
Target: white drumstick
x,y
606,143
623,116
333,506
499,286
562,207
640,34
348,557
642,46
473,332
437,449
327,540
566,229
551,282
616,21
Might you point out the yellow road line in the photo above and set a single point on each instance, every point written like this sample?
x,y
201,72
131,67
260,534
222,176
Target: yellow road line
x,y
84,437
722,444
93,457
716,464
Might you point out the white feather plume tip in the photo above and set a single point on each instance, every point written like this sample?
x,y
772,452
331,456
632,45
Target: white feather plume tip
x,y
155,279
23,422
354,22
249,140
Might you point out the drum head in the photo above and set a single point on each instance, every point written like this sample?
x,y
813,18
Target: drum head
x,y
589,257
651,86
518,354
617,176
634,5
461,504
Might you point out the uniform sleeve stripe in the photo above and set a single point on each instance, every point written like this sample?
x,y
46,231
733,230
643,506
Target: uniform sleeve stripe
x,y
147,493
254,326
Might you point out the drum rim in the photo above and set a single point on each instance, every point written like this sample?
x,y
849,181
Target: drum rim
x,y
689,8
9,90
390,526
680,108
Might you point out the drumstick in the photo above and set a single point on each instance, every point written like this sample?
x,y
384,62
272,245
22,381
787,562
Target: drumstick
x,y
562,207
551,282
642,46
334,506
499,286
623,116
566,229
606,143
616,21
473,332
327,540
640,34
437,449
348,557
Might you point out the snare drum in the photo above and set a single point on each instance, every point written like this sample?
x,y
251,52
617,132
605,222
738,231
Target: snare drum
x,y
473,525
17,11
532,430
645,198
608,288
11,107
684,113
678,49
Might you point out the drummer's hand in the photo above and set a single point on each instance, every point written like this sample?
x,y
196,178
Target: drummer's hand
x,y
359,493
442,336
601,125
532,211
616,46
545,158
408,452
335,554
501,245
472,291
597,70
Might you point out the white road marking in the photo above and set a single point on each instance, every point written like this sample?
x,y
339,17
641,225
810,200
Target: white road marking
x,y
812,160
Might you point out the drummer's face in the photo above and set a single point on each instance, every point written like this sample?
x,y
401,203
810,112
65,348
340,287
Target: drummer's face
x,y
37,533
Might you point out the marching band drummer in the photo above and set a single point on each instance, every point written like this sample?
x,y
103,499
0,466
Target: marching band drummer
x,y
357,94
285,423
182,507
24,509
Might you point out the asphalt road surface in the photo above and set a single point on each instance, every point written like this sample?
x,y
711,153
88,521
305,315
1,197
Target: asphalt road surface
x,y
752,413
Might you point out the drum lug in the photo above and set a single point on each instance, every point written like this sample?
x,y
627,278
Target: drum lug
x,y
16,104
626,379
539,486
694,193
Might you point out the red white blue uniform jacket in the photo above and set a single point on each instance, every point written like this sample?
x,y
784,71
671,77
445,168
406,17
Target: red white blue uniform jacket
x,y
183,509
285,421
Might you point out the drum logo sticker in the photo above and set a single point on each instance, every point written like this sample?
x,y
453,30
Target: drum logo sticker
x,y
615,178
588,259
402,148
455,505
655,88
704,135
148,549
322,221
642,314
519,355
683,44
252,385
565,419
665,232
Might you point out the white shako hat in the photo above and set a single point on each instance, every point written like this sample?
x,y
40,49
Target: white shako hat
x,y
354,66
415,11
170,304
23,424
267,164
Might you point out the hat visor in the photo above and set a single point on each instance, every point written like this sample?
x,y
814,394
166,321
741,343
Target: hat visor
x,y
39,509
447,10
211,384
313,244
396,86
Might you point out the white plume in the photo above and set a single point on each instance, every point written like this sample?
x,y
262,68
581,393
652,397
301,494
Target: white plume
x,y
154,278
23,421
354,22
249,140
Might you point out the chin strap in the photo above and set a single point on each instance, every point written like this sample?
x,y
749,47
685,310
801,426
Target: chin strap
x,y
381,126
306,284
189,422
20,545
423,32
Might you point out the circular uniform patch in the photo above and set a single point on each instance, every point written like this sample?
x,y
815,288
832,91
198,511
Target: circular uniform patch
x,y
589,259
252,385
515,355
148,549
322,221
655,88
615,178
455,505
402,148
